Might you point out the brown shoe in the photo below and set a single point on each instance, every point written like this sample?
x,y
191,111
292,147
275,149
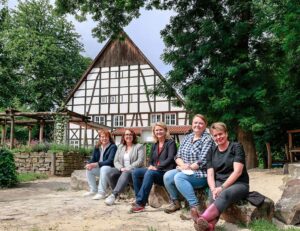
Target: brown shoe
x,y
195,214
173,207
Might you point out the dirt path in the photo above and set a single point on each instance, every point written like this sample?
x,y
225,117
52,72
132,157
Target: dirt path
x,y
51,205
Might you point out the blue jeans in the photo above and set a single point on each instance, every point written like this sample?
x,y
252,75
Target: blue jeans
x,y
101,173
177,182
143,179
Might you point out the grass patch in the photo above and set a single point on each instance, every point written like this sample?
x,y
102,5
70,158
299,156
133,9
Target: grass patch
x,y
31,176
262,225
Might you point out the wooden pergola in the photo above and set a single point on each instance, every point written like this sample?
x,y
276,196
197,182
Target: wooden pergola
x,y
12,118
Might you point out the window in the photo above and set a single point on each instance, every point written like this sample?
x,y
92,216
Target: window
x,y
113,99
99,119
119,121
74,143
103,99
170,119
155,118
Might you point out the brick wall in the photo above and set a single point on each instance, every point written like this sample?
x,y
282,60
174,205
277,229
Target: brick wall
x,y
59,163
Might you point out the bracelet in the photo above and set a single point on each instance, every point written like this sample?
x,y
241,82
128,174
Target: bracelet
x,y
222,187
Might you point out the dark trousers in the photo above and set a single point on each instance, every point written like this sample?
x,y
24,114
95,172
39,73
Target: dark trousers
x,y
235,192
143,179
118,180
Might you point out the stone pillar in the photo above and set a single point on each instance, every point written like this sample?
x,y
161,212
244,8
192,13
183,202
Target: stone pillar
x,y
53,164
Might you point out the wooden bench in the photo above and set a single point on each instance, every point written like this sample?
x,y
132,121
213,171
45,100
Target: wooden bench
x,y
292,149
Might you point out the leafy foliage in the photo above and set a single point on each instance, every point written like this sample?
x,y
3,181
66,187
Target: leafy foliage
x,y
45,51
8,174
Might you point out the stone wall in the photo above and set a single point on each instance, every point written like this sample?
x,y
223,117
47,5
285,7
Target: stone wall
x,y
51,163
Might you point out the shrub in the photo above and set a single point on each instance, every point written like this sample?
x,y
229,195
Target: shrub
x,y
8,173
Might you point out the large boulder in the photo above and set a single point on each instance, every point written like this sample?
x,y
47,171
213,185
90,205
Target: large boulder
x,y
287,209
79,180
244,212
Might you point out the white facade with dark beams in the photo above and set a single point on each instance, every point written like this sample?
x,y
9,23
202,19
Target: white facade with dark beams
x,y
114,92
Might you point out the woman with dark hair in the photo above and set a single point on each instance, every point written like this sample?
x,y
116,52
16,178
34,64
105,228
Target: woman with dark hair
x,y
130,155
227,178
103,155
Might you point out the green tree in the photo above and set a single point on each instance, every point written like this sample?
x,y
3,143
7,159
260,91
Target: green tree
x,y
46,50
231,59
8,79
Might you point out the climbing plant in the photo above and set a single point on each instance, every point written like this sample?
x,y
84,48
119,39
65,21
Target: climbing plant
x,y
60,128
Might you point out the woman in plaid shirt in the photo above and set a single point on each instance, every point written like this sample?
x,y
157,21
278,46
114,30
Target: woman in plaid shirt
x,y
190,172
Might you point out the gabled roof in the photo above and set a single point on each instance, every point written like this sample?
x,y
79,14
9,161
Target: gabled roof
x,y
119,52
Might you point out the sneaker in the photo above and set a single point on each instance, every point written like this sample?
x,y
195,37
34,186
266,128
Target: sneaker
x,y
99,196
137,208
173,207
110,200
87,194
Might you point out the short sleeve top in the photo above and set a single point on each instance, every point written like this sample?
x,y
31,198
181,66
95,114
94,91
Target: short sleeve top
x,y
222,162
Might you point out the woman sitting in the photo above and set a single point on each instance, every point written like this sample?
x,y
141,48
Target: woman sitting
x,y
163,152
103,155
228,179
129,155
191,166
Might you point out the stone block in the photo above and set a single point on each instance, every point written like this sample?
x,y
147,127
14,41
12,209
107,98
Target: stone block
x,y
287,209
79,180
244,212
158,196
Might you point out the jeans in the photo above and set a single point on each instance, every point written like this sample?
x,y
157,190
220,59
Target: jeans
x,y
143,180
101,173
118,180
177,182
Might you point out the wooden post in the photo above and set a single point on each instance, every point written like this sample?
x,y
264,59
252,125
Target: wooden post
x,y
269,155
53,164
12,128
29,135
85,135
41,135
3,134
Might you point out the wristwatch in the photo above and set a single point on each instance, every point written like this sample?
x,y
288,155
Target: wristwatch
x,y
222,187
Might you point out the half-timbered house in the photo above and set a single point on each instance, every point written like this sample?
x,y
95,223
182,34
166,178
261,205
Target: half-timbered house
x,y
114,91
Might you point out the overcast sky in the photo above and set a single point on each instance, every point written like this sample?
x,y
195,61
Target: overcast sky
x,y
144,31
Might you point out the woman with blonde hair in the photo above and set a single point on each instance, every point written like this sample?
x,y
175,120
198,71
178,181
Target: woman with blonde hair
x,y
161,160
103,155
227,178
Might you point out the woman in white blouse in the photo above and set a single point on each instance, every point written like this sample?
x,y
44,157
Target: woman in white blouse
x,y
129,155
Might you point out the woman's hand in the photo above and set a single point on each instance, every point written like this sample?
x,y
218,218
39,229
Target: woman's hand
x,y
216,192
90,166
124,169
151,167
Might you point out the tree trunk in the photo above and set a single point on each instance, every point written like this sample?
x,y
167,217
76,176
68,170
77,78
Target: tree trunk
x,y
246,139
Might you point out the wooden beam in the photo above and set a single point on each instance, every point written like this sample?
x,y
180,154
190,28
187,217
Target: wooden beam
x,y
29,135
12,128
269,155
41,135
3,134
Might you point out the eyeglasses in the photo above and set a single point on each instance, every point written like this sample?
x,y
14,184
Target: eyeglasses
x,y
129,134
